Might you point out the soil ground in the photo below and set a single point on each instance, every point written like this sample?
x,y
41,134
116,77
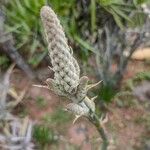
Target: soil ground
x,y
128,125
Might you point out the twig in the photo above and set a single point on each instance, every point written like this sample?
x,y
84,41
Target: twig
x,y
5,85
10,50
6,45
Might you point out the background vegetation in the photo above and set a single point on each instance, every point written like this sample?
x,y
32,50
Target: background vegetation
x,y
103,34
94,27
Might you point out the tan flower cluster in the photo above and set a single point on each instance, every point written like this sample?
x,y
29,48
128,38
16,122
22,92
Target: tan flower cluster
x,y
67,81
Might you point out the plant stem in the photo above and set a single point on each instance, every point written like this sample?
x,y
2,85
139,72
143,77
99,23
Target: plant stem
x,y
94,119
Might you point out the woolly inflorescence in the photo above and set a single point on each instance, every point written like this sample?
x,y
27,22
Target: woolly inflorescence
x,y
66,80
65,67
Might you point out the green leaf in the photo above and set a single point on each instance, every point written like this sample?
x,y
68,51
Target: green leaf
x,y
116,18
121,13
138,19
35,60
85,45
139,2
93,15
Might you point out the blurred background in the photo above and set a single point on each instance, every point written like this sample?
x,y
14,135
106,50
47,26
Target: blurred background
x,y
110,40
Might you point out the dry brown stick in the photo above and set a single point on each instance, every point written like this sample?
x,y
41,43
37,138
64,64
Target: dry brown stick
x,y
10,50
7,47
